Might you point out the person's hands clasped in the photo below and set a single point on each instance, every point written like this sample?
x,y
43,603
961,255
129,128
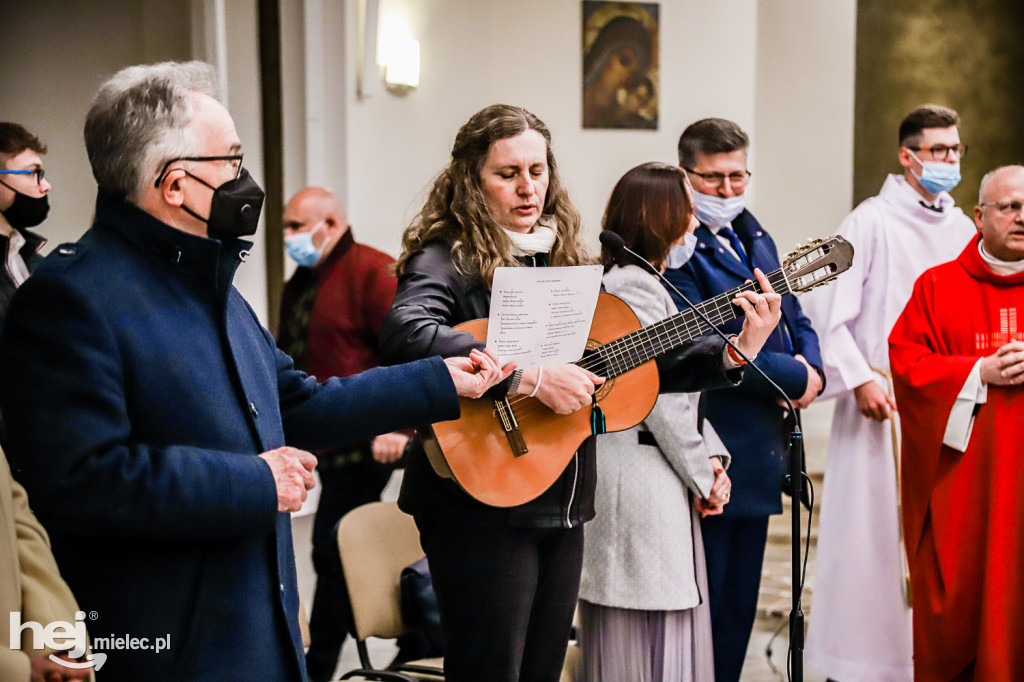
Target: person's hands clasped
x,y
873,401
762,313
721,491
812,390
475,374
563,388
293,475
389,447
1005,367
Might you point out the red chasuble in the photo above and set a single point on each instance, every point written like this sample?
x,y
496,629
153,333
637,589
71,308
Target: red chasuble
x,y
963,513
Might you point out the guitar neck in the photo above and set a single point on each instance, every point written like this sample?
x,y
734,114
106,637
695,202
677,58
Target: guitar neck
x,y
634,349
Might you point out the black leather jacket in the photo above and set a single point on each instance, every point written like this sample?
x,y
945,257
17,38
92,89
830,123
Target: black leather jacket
x,y
432,298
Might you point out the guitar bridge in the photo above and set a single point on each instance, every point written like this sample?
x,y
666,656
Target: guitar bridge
x,y
510,426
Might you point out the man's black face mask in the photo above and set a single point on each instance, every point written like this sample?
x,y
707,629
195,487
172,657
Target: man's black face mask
x,y
26,211
235,209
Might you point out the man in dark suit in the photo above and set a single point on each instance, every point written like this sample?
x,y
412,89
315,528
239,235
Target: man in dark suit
x,y
165,438
749,417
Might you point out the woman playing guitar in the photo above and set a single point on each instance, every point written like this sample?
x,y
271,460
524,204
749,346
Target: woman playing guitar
x,y
507,578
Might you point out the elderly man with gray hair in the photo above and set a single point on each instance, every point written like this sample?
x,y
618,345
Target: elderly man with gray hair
x,y
161,441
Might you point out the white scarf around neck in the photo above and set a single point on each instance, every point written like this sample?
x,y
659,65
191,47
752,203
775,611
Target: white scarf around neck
x,y
1000,267
539,240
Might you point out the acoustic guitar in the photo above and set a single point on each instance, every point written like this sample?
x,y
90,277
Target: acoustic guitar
x,y
507,452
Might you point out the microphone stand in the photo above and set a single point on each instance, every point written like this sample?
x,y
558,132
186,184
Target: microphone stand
x,y
616,244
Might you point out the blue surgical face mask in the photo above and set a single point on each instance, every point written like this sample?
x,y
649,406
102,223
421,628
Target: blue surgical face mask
x,y
716,211
937,176
301,250
680,253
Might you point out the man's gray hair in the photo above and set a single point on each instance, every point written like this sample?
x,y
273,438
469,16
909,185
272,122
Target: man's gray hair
x,y
140,119
988,176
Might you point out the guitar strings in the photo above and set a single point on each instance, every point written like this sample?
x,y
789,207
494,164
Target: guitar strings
x,y
627,352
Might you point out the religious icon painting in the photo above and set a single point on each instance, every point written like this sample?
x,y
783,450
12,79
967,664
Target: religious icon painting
x,y
620,65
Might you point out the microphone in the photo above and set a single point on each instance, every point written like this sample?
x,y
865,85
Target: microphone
x,y
616,245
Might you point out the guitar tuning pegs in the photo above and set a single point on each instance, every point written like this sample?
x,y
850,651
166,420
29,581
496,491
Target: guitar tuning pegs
x,y
790,255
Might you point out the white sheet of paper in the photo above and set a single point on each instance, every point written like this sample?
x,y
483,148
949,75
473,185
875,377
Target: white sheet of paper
x,y
542,316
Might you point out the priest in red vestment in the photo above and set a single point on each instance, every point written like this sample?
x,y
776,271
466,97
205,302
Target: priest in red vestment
x,y
957,356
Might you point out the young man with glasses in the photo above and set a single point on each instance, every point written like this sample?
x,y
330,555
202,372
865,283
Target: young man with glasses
x,y
957,354
24,203
748,417
860,628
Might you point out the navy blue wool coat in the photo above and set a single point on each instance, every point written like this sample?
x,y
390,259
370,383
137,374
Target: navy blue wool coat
x,y
746,417
138,389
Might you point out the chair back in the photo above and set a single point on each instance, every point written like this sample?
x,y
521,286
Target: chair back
x,y
376,541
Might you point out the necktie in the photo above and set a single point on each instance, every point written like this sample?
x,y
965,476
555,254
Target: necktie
x,y
735,243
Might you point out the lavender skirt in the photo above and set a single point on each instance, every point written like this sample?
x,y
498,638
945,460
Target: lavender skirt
x,y
650,646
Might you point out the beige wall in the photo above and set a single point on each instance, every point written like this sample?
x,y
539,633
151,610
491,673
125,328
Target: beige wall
x,y
803,151
478,53
56,56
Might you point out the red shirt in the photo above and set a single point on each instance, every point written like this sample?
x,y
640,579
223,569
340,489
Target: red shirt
x,y
352,291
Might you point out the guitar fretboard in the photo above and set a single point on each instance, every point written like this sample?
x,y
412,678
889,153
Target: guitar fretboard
x,y
634,349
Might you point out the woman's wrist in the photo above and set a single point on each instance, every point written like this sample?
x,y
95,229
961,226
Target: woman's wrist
x,y
529,381
734,353
517,378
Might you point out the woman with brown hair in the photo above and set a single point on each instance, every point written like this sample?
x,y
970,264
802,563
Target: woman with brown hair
x,y
506,578
643,598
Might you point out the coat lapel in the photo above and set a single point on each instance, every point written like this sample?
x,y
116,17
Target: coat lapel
x,y
707,241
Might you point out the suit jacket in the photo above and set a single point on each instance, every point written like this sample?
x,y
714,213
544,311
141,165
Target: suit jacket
x,y
747,418
154,388
29,579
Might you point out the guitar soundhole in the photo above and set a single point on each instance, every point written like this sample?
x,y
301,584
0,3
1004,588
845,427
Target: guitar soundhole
x,y
596,364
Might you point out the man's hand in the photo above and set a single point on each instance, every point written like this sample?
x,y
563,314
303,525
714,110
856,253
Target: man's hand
x,y
873,402
45,670
1005,367
761,313
389,447
477,373
721,491
563,388
813,385
293,476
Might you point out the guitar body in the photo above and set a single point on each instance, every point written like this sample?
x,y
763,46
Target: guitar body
x,y
478,453
475,449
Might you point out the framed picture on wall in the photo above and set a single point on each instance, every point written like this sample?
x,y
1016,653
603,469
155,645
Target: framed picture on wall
x,y
620,65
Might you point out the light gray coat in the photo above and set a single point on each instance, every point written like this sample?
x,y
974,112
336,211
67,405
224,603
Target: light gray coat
x,y
638,552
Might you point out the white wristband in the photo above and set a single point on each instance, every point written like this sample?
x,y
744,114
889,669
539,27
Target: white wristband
x,y
540,375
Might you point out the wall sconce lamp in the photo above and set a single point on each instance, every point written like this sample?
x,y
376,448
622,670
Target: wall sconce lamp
x,y
402,66
399,55
391,52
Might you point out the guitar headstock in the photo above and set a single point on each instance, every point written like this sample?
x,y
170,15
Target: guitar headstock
x,y
817,263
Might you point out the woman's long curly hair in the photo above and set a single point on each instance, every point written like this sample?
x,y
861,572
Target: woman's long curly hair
x,y
456,211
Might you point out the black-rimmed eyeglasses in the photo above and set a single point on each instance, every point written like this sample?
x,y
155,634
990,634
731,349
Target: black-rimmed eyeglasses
x,y
940,152
737,179
38,172
235,159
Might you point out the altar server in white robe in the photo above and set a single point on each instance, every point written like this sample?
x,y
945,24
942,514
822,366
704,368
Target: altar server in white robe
x,y
860,618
